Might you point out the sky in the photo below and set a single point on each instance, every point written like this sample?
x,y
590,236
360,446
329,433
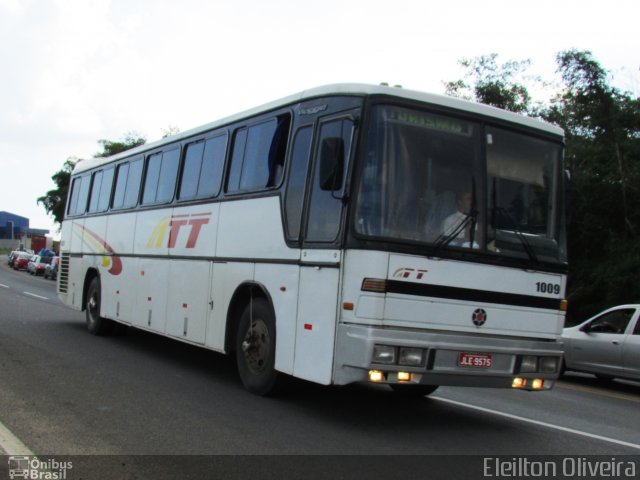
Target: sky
x,y
76,71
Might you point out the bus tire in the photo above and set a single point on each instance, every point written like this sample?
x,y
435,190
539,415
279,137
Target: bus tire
x,y
413,391
96,324
256,348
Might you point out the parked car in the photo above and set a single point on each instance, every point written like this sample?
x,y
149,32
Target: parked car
x,y
37,264
11,257
14,254
21,261
51,270
607,345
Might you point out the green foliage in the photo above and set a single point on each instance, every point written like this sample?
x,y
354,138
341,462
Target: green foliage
x,y
55,199
131,140
493,84
602,127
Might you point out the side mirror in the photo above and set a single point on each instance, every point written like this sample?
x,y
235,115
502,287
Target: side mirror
x,y
331,164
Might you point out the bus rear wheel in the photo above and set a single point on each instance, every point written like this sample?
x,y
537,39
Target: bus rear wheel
x,y
96,324
256,348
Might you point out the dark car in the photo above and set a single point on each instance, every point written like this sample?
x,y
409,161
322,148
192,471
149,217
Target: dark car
x,y
51,270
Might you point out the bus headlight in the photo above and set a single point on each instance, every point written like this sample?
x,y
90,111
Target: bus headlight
x,y
384,354
410,356
529,364
548,364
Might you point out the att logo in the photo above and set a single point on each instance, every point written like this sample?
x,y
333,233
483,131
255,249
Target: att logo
x,y
172,225
409,273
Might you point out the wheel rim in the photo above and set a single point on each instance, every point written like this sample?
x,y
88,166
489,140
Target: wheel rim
x,y
92,306
256,346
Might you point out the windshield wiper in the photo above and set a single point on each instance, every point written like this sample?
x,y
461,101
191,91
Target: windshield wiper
x,y
525,243
523,240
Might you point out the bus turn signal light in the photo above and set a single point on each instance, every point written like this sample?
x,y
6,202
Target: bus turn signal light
x,y
376,285
376,375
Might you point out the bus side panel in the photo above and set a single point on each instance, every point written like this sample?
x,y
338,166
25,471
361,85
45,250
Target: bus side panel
x,y
226,278
316,324
252,229
152,232
76,283
281,281
188,299
368,306
150,308
194,230
120,278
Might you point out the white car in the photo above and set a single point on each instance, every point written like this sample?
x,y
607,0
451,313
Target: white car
x,y
37,264
607,345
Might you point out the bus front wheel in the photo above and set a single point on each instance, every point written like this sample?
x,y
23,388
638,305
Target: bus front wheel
x,y
95,323
256,348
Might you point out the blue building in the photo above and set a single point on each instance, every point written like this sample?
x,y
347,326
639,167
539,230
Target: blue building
x,y
15,227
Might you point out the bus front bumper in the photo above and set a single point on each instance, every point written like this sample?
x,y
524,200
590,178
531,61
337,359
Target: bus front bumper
x,y
409,356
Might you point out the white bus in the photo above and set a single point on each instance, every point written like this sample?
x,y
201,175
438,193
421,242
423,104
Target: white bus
x,y
349,233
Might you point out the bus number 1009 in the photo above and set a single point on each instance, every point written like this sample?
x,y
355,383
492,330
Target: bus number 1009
x,y
552,288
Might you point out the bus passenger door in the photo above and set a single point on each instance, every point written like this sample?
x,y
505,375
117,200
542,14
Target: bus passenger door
x,y
320,256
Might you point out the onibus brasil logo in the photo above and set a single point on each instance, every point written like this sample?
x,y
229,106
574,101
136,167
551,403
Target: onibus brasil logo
x,y
31,467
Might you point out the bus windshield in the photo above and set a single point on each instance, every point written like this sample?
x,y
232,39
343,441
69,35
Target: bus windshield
x,y
451,183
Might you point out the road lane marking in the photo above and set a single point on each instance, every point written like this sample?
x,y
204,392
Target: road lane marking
x,y
12,444
3,285
36,296
539,423
597,391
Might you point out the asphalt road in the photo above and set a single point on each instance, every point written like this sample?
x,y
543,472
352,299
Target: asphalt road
x,y
66,392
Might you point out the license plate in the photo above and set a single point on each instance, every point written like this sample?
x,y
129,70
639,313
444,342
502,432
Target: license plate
x,y
475,360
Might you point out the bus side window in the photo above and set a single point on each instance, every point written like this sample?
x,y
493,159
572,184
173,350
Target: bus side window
x,y
278,151
121,184
133,184
96,186
79,195
297,180
258,155
160,179
128,184
191,171
105,189
215,150
203,167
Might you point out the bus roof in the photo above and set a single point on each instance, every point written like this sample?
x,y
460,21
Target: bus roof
x,y
338,89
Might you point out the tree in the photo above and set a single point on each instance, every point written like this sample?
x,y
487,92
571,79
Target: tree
x,y
602,128
493,84
55,200
130,140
